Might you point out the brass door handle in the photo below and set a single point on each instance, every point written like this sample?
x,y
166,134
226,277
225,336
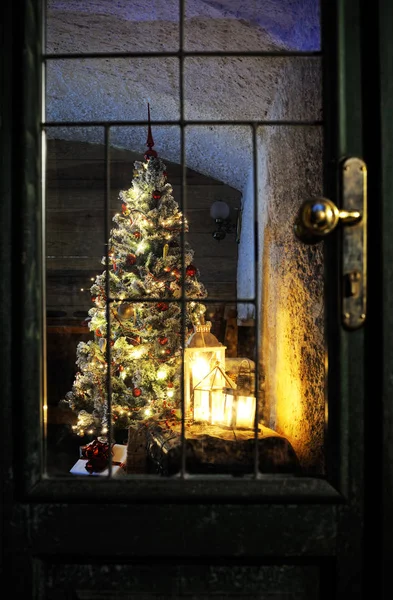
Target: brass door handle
x,y
318,217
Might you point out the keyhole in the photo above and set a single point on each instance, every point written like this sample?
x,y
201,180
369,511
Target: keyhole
x,y
352,284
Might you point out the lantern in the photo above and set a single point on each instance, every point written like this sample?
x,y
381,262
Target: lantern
x,y
204,373
208,397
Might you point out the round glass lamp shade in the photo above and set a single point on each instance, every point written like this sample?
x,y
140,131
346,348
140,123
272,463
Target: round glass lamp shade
x,y
219,210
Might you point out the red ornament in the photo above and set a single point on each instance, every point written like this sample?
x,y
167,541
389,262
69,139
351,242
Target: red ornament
x,y
167,269
156,195
131,259
162,306
98,333
191,270
170,384
167,351
121,368
93,299
136,392
163,341
137,235
123,207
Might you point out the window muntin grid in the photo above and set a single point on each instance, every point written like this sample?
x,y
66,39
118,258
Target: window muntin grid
x,y
186,122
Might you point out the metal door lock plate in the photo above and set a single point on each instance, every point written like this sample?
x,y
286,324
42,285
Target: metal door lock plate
x,y
354,247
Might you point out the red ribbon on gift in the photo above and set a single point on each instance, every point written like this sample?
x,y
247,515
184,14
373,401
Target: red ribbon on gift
x,y
97,454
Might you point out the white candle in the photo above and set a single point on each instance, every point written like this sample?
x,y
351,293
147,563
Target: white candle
x,y
228,414
245,411
218,403
201,405
200,370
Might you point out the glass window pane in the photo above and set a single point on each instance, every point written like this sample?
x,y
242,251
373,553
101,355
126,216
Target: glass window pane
x,y
128,26
111,89
216,309
252,26
255,89
74,245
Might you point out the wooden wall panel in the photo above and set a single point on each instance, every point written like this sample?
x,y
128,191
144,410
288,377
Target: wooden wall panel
x,y
81,218
63,293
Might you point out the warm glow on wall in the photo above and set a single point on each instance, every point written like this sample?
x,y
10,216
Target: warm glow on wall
x,y
288,392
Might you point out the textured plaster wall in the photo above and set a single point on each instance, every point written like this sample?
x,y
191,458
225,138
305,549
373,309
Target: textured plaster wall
x,y
293,345
215,88
289,279
292,297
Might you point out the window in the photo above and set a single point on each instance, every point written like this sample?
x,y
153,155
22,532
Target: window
x,y
184,320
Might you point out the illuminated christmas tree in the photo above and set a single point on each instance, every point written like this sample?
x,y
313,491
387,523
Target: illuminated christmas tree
x,y
146,262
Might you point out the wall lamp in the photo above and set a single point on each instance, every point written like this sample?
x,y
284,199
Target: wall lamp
x,y
219,211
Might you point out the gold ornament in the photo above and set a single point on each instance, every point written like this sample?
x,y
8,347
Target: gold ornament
x,y
126,311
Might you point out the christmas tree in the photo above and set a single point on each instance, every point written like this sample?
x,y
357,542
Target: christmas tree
x,y
148,275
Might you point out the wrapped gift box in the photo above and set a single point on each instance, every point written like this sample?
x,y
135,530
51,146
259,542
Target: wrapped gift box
x,y
137,450
119,457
